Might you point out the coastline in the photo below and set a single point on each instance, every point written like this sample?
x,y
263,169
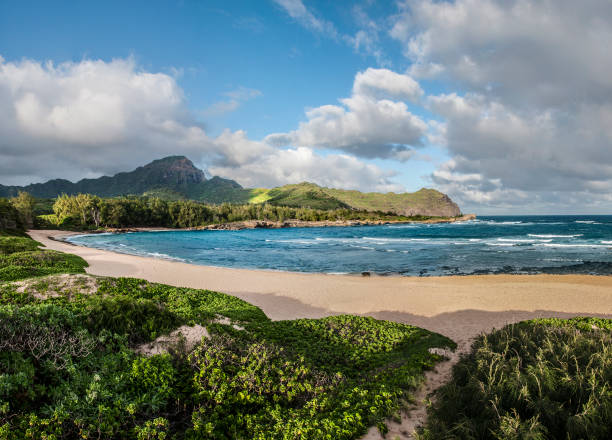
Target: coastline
x,y
459,307
269,224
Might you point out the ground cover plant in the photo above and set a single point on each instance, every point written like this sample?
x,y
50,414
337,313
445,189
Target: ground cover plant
x,y
70,365
540,379
21,257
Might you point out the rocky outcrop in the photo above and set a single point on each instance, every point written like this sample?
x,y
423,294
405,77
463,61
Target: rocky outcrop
x,y
265,224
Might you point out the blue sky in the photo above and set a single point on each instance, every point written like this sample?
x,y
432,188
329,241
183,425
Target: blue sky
x,y
217,46
483,123
214,48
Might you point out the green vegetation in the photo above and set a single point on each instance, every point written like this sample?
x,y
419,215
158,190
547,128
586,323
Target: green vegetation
x,y
71,365
423,202
21,258
176,178
85,211
24,204
10,219
541,379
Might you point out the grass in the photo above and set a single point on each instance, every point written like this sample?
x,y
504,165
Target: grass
x,y
541,379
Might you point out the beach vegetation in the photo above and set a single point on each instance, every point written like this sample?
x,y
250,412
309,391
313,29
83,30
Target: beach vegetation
x,y
71,365
21,257
540,379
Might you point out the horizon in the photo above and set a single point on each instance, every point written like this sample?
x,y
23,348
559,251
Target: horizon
x,y
375,97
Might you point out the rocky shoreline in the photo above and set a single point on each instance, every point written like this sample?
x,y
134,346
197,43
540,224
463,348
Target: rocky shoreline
x,y
266,224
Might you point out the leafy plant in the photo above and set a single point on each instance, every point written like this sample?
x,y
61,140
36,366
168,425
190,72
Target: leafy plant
x,y
541,379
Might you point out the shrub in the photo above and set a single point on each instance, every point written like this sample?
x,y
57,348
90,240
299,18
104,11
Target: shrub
x,y
12,244
10,219
25,264
541,379
68,368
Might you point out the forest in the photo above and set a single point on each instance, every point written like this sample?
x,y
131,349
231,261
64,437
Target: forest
x,y
86,211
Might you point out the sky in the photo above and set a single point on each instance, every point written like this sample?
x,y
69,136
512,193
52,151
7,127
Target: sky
x,y
505,105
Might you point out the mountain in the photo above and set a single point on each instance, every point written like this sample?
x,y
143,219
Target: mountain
x,y
176,177
174,173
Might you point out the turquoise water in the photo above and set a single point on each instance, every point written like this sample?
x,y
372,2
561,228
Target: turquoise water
x,y
526,244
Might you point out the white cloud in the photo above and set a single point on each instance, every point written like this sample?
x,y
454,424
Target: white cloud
x,y
85,119
296,10
384,83
364,125
533,119
303,164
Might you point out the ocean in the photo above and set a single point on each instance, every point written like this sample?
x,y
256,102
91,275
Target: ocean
x,y
488,245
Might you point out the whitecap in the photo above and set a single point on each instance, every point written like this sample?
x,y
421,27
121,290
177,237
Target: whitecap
x,y
575,245
554,236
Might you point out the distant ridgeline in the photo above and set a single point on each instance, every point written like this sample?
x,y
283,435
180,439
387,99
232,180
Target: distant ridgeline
x,y
176,178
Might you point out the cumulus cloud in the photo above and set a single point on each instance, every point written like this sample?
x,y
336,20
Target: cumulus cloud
x,y
84,119
87,118
384,83
303,164
364,125
533,115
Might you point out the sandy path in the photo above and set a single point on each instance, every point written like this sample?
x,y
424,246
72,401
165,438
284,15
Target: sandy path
x,y
458,307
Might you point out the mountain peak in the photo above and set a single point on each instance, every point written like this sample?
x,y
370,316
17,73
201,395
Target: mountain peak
x,y
174,170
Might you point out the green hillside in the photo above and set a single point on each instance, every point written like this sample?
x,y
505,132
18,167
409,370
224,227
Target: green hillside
x,y
423,202
177,178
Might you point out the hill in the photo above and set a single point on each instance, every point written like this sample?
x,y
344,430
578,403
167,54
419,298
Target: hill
x,y
427,202
176,178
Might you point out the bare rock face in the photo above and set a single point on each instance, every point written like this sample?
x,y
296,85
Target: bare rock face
x,y
178,170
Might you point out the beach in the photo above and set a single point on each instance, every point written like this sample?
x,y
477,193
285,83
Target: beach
x,y
459,307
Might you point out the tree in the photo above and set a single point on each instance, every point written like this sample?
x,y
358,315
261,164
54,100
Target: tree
x,y
24,203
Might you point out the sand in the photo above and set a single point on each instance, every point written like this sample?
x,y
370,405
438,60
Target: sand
x,y
459,307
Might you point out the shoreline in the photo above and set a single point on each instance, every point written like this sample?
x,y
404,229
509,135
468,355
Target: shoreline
x,y
457,306
269,224
63,236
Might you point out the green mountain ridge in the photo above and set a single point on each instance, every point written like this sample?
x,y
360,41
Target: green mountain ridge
x,y
176,177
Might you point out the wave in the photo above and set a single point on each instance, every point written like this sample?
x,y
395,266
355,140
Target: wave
x,y
363,247
588,222
554,235
494,222
574,245
386,240
522,240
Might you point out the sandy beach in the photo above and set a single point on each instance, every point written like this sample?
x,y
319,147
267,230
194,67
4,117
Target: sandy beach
x,y
459,307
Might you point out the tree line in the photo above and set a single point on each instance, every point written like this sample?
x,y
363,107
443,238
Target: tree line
x,y
89,211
